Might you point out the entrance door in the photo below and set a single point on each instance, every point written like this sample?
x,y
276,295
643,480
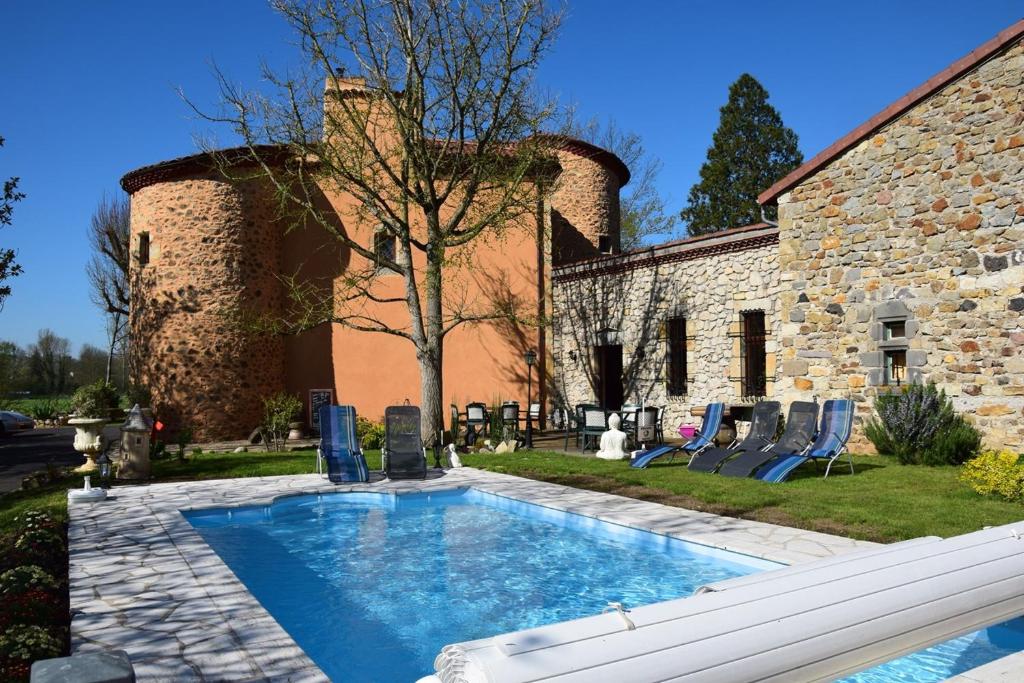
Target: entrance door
x,y
608,360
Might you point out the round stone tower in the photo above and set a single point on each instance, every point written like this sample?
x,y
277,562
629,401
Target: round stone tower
x,y
585,218
204,250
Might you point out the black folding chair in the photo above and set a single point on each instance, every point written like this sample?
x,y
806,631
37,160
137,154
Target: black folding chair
x,y
403,453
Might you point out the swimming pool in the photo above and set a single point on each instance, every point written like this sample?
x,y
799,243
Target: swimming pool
x,y
372,585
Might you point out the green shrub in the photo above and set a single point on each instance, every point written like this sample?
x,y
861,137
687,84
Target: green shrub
x,y
40,542
27,577
918,425
954,444
135,394
95,400
43,409
995,472
20,645
279,410
370,434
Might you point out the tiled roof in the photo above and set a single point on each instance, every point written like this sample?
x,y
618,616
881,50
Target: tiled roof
x,y
202,163
701,246
1004,40
205,162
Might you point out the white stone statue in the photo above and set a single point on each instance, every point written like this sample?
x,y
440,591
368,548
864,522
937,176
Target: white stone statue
x,y
453,457
613,442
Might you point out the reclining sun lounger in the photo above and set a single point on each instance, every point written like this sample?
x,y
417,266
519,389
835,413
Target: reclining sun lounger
x,y
403,444
836,424
799,433
763,424
702,439
339,447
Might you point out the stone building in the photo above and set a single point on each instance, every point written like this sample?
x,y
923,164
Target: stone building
x,y
899,258
206,246
675,325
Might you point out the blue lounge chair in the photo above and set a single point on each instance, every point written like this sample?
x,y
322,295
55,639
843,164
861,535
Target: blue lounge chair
x,y
704,438
763,423
339,447
836,425
797,438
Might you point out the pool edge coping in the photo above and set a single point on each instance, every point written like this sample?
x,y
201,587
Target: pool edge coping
x,y
249,637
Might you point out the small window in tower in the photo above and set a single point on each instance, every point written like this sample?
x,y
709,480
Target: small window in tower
x,y
385,247
604,244
895,329
895,367
143,248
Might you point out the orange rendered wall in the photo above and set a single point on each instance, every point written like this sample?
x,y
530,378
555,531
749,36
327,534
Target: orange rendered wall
x,y
481,361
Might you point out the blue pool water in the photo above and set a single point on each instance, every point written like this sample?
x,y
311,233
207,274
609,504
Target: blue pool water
x,y
371,585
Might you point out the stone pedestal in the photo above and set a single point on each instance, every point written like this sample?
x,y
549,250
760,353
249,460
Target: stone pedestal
x,y
88,440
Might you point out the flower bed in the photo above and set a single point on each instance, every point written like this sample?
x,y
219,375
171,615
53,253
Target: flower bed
x,y
34,620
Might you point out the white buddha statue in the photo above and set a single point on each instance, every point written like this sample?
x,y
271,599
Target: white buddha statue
x,y
613,442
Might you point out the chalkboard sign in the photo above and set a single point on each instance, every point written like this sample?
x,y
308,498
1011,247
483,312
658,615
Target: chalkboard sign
x,y
318,398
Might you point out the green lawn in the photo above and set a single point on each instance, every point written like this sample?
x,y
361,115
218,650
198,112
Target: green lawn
x,y
882,502
52,498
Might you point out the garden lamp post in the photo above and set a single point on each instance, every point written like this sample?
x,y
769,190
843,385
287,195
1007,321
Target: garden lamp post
x,y
531,358
103,462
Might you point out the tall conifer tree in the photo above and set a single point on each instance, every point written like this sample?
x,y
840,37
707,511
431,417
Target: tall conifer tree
x,y
749,152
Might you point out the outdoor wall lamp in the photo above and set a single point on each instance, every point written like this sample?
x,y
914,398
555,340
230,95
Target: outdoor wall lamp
x,y
530,357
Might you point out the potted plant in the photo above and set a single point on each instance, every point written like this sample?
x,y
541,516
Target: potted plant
x,y
91,406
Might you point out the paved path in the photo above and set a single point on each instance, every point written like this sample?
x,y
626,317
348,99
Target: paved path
x,y
23,453
143,580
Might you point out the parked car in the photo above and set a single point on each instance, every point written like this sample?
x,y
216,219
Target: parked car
x,y
11,421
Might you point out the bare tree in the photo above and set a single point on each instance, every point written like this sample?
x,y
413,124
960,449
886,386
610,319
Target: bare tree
x,y
439,150
8,267
642,207
107,270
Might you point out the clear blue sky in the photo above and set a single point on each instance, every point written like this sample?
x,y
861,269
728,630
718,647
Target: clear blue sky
x,y
88,92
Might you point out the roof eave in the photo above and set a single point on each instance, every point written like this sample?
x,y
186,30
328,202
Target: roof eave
x,y
981,54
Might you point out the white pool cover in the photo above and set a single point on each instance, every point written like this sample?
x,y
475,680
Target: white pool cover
x,y
811,622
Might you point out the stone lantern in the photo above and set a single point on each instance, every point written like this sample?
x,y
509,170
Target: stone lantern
x,y
135,434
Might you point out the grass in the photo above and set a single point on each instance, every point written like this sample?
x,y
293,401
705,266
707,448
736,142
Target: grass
x,y
52,498
883,502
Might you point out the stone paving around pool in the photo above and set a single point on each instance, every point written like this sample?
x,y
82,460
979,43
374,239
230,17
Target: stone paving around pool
x,y
143,580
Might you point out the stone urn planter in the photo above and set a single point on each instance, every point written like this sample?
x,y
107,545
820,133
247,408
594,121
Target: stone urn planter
x,y
88,439
91,406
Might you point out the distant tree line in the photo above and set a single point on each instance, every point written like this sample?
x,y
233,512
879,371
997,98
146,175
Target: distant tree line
x,y
47,368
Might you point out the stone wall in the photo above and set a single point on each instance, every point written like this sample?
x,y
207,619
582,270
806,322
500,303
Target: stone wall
x,y
628,299
215,249
922,220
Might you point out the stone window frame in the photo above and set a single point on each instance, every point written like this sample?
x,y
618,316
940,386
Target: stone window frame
x,y
752,389
678,311
890,315
737,359
680,388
